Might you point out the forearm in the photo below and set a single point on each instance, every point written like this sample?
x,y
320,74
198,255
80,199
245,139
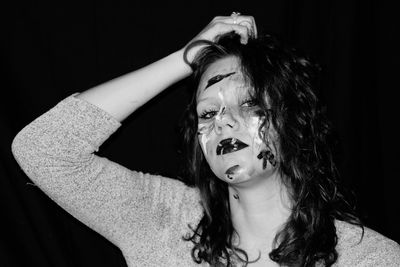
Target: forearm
x,y
123,95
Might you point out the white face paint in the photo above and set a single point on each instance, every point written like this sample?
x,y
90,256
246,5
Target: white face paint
x,y
223,106
227,119
253,128
204,131
206,128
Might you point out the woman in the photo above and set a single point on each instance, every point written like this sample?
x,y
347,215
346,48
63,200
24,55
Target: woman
x,y
266,192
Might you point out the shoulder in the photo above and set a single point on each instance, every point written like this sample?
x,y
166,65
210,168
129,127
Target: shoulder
x,y
368,248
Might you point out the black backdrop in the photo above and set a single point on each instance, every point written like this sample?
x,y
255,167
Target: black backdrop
x,y
51,49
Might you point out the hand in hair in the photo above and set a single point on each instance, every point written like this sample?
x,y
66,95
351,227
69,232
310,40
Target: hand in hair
x,y
123,95
245,26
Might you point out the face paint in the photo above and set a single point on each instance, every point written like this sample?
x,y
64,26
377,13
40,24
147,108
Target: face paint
x,y
251,121
266,155
218,78
229,124
253,128
222,109
233,172
204,130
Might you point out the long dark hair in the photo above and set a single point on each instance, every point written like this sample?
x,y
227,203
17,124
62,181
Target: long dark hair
x,y
305,157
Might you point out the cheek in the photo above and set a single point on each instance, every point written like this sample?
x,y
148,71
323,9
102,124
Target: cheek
x,y
204,139
253,125
204,133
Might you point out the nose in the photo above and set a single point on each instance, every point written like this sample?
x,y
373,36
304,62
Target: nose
x,y
226,120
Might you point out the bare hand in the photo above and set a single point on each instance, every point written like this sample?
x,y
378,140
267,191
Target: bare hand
x,y
245,26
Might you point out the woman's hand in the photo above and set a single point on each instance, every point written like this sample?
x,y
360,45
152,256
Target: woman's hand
x,y
245,26
123,95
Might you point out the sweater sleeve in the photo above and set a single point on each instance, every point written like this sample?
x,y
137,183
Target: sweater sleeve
x,y
386,253
56,151
368,248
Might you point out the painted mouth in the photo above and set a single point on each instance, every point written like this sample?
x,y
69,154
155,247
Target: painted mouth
x,y
230,145
231,171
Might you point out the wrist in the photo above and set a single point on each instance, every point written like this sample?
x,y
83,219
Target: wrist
x,y
182,64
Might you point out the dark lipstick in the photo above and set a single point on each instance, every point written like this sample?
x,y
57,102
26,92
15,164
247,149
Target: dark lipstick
x,y
230,145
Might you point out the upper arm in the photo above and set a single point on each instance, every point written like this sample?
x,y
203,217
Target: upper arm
x,y
385,253
57,152
368,249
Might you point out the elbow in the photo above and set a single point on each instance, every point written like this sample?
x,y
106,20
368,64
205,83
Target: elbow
x,y
31,152
21,148
17,146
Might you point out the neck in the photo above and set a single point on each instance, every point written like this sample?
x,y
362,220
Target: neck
x,y
259,211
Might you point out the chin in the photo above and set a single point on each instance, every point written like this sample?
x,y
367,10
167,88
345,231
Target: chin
x,y
242,172
233,172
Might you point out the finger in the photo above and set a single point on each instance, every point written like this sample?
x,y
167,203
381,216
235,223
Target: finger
x,y
219,18
251,24
233,19
241,30
249,27
254,26
247,21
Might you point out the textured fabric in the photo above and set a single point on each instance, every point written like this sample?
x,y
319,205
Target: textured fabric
x,y
144,215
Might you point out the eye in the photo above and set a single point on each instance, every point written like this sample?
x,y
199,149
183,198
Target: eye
x,y
208,114
248,103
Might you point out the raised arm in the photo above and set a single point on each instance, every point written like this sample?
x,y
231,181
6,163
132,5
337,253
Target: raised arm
x,y
140,213
123,95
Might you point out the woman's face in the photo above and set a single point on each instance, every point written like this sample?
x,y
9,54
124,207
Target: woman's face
x,y
228,128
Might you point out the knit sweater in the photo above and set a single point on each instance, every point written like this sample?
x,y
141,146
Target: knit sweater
x,y
144,215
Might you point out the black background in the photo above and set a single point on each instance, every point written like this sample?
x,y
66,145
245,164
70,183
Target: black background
x,y
51,49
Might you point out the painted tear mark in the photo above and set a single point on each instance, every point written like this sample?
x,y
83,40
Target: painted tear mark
x,y
205,130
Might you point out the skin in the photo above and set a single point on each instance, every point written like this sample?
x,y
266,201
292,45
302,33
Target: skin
x,y
260,210
229,114
263,205
123,95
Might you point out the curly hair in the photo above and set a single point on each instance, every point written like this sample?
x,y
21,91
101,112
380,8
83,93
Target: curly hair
x,y
306,164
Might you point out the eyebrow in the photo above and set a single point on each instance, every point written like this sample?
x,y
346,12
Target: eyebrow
x,y
217,78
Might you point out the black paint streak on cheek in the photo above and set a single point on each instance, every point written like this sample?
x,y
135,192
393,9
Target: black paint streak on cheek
x,y
267,156
263,157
